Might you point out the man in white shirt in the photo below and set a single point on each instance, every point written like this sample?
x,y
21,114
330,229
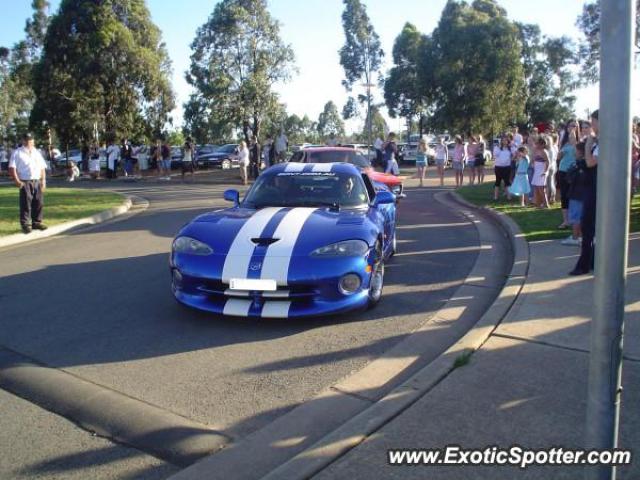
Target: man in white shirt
x,y
27,169
378,147
113,155
517,138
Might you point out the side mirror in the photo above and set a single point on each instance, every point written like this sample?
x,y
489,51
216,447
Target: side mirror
x,y
232,196
384,197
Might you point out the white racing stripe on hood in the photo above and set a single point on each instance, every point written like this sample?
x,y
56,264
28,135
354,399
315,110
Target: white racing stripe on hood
x,y
276,309
294,167
237,308
322,167
237,260
275,265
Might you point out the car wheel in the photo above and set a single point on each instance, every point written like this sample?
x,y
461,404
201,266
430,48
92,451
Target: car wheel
x,y
377,278
226,164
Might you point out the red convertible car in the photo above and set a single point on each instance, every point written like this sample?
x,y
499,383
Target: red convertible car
x,y
348,155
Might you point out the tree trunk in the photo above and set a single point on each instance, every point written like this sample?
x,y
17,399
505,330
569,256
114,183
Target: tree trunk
x,y
256,127
245,131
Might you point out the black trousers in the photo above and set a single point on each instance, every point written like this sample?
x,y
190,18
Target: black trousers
x,y
31,203
564,189
588,226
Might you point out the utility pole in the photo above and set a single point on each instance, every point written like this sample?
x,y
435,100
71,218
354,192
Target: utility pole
x,y
612,231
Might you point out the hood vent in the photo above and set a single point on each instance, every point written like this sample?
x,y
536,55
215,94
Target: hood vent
x,y
264,242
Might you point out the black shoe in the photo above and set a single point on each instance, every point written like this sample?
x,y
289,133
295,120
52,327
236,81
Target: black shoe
x,y
578,271
39,226
26,229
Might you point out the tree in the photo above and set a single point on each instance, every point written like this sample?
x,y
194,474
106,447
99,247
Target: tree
x,y
547,63
204,124
329,122
477,89
36,28
589,23
361,56
175,137
16,74
379,126
103,67
403,94
350,109
237,56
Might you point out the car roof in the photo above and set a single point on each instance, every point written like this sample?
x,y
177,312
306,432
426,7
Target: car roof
x,y
328,149
308,168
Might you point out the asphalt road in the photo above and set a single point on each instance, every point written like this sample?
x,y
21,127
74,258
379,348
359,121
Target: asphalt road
x,y
97,304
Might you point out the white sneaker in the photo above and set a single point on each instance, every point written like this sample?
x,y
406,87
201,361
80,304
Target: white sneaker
x,y
572,242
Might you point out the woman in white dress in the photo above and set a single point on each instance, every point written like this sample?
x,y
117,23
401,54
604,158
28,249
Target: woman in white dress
x,y
540,172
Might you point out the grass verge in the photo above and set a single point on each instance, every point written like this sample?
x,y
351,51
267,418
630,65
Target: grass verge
x,y
536,224
60,205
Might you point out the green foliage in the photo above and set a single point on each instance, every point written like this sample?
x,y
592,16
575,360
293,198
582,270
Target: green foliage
x,y
299,130
379,126
350,109
237,56
361,56
103,66
175,137
547,63
16,75
403,94
477,89
329,122
589,24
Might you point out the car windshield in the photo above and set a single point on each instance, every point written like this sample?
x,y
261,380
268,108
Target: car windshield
x,y
337,156
207,149
289,189
227,148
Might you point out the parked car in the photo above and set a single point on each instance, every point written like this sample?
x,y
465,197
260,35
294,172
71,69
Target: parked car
x,y
348,155
75,155
177,154
202,150
301,243
223,157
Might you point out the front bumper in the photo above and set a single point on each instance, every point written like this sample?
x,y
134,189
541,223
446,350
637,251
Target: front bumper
x,y
314,294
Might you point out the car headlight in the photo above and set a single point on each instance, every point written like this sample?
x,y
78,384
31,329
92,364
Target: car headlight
x,y
192,246
348,248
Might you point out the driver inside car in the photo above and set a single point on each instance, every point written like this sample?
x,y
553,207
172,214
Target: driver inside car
x,y
351,195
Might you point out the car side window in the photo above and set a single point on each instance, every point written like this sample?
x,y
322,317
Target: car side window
x,y
296,157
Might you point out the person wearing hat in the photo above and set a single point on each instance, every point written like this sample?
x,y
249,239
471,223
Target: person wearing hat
x,y
27,169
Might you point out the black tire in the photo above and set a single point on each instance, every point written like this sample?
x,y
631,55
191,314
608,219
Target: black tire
x,y
376,284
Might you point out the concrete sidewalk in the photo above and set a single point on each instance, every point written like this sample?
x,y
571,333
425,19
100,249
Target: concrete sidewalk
x,y
527,385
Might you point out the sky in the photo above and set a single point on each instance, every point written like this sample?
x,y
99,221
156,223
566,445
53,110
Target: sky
x,y
314,29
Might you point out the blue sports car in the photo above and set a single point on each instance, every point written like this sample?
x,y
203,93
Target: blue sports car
x,y
307,240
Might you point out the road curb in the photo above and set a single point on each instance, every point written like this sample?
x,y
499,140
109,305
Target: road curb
x,y
100,217
108,413
336,444
359,412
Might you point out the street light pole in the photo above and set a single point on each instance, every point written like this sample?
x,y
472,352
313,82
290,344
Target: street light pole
x,y
612,231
